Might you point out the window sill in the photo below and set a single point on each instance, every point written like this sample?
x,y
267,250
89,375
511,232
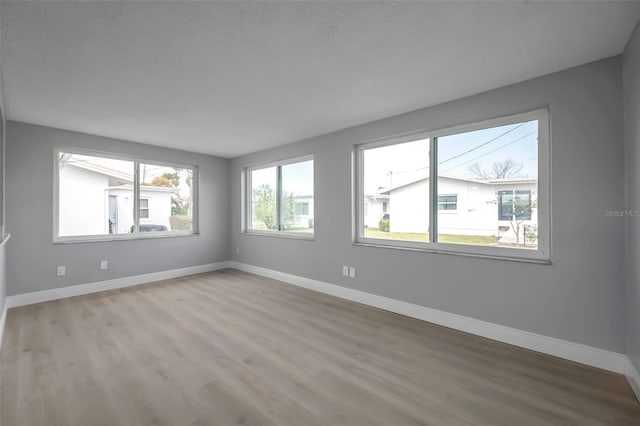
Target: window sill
x,y
463,250
122,237
281,234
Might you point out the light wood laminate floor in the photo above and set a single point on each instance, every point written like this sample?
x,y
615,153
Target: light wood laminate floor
x,y
227,348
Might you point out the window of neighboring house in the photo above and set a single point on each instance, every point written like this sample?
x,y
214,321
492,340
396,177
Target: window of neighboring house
x,y
302,209
97,197
278,198
488,172
447,202
514,205
144,208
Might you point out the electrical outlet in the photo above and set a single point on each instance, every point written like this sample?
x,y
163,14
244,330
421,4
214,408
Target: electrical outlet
x,y
345,271
352,272
61,271
237,250
104,264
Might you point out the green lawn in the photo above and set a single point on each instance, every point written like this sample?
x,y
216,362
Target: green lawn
x,y
416,236
445,238
262,227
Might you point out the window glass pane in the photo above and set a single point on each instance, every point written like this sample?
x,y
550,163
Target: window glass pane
x,y
95,195
302,208
264,185
396,191
522,205
447,202
494,171
166,198
144,208
297,197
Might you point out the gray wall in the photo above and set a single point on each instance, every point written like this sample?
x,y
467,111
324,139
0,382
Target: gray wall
x,y
32,257
631,79
577,298
3,276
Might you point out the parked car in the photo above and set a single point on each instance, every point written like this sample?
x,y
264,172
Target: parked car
x,y
148,227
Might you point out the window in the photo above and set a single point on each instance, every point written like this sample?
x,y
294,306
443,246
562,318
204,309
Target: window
x,y
493,175
514,205
144,208
302,209
280,198
392,173
447,202
97,196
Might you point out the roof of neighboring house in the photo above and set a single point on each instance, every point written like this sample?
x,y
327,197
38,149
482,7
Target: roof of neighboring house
x,y
97,168
378,196
511,180
145,188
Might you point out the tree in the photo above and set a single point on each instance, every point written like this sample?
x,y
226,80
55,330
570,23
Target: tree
x,y
477,172
500,170
288,210
173,178
530,233
264,206
180,204
506,169
521,209
162,181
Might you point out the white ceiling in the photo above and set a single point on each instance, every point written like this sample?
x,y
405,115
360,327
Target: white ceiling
x,y
236,77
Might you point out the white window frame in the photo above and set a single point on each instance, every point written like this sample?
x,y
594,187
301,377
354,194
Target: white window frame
x,y
136,235
541,255
144,208
447,202
247,200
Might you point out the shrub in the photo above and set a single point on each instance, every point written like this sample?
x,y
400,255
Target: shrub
x,y
383,225
530,233
180,223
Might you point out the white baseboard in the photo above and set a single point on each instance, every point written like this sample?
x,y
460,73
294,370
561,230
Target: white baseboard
x,y
577,352
3,320
77,290
634,378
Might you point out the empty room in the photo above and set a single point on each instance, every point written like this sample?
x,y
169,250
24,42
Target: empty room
x,y
319,213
